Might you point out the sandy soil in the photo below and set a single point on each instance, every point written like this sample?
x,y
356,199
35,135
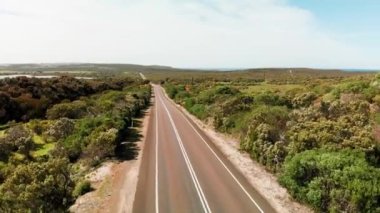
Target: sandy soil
x,y
114,183
263,181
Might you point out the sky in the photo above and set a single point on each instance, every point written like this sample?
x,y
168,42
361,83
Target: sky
x,y
193,33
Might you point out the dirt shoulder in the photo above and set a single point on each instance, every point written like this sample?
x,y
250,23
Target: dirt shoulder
x,y
263,181
114,182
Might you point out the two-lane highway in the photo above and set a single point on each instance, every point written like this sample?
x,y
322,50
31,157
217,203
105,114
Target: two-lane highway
x,y
183,171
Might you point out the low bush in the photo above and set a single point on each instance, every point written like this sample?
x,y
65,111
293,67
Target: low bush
x,y
333,181
81,188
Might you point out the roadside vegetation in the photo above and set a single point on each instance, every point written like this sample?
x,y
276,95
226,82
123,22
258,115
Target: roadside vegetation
x,y
55,130
320,135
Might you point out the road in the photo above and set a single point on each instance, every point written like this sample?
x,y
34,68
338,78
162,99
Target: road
x,y
183,171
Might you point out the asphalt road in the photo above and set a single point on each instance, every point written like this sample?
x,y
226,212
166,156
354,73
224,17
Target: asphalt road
x,y
182,170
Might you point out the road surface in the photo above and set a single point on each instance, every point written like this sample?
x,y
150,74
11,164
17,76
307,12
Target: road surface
x,y
182,171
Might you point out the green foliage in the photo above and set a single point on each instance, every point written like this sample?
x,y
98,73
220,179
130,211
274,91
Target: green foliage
x,y
73,110
318,135
329,126
334,181
101,145
376,100
36,157
81,188
304,100
171,90
44,187
377,118
270,98
61,129
199,110
43,150
218,93
17,139
264,138
188,103
22,98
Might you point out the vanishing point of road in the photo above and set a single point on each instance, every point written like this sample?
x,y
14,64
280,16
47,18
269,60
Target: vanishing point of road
x,y
183,171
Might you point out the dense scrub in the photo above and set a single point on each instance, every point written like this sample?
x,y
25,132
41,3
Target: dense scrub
x,y
43,162
318,136
25,98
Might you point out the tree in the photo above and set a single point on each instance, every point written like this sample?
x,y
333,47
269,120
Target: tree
x,y
20,139
102,146
61,129
5,149
45,187
73,110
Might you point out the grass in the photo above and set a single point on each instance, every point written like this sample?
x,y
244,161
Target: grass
x,y
44,150
2,133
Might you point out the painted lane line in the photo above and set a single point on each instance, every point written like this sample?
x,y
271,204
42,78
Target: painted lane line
x,y
217,157
198,187
157,207
190,167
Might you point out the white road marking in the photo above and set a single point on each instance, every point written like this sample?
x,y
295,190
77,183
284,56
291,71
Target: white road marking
x,y
198,187
228,170
157,207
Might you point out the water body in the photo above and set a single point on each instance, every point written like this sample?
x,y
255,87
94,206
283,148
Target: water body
x,y
37,76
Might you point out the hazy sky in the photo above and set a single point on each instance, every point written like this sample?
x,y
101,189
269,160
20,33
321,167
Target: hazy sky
x,y
193,33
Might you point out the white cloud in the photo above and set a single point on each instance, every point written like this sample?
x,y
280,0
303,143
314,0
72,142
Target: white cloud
x,y
184,33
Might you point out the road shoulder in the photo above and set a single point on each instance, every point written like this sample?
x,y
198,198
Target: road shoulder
x,y
114,182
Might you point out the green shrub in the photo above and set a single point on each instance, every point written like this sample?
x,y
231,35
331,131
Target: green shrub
x,y
333,181
38,186
199,110
270,98
101,145
217,93
73,110
81,188
182,95
171,90
61,128
189,102
304,99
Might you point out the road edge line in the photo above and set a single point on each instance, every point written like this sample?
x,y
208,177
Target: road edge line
x,y
156,188
198,187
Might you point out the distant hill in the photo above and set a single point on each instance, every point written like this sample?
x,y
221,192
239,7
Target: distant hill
x,y
80,67
158,72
